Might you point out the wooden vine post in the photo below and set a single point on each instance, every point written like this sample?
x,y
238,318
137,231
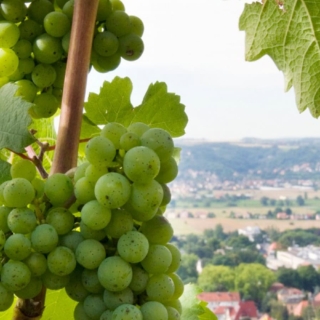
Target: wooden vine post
x,y
66,151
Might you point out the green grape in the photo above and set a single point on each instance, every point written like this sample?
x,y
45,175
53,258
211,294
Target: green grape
x,y
23,169
178,286
153,310
93,173
106,315
61,3
38,9
137,26
2,186
94,306
4,213
90,253
141,164
176,304
79,313
157,260
173,314
168,171
95,215
166,195
47,49
45,105
38,186
89,233
22,48
43,75
58,188
22,220
66,42
104,9
90,281
15,275
71,240
9,34
176,258
57,93
30,29
133,246
6,298
18,192
118,23
17,75
27,91
80,171
160,141
61,219
2,239
160,287
113,131
115,274
105,64
54,282
13,10
157,230
131,47
32,289
139,280
112,190
139,128
115,299
68,9
44,238
74,288
120,223
60,68
129,140
84,190
56,24
145,199
9,62
17,247
37,264
26,66
3,81
127,312
117,5
105,44
61,261
100,151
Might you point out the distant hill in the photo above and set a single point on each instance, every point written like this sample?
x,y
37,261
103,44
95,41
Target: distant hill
x,y
251,158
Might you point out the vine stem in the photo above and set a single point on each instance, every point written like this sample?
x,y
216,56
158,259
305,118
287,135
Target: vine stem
x,y
66,152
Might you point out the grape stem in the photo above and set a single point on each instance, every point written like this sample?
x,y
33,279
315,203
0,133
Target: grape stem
x,y
66,152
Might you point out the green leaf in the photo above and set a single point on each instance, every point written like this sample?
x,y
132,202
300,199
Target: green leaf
x,y
14,120
192,307
290,35
88,128
159,108
4,171
58,306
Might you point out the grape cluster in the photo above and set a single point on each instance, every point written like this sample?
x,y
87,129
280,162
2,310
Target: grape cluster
x,y
34,44
98,231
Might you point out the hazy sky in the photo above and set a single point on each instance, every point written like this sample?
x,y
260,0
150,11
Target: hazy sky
x,y
198,50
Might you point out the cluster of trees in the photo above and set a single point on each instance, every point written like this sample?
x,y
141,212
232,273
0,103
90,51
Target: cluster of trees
x,y
300,201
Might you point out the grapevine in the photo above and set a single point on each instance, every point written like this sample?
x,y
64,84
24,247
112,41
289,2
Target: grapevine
x,y
93,226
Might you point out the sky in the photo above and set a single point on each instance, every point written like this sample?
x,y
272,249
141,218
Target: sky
x,y
197,49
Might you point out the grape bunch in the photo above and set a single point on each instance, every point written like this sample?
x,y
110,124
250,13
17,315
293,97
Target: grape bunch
x,y
98,231
34,44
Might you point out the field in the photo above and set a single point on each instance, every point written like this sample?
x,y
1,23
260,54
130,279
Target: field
x,y
197,226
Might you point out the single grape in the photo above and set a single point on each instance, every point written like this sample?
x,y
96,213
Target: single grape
x,y
129,140
116,299
2,239
94,306
37,264
117,5
137,26
60,68
176,304
56,24
153,310
61,219
38,185
105,64
9,34
68,9
47,49
118,23
61,261
9,62
139,280
74,288
22,48
93,173
90,281
38,9
84,190
66,42
43,75
22,220
89,233
105,43
45,106
120,223
80,171
115,274
168,171
166,195
13,10
18,192
95,215
44,238
160,287
157,260
113,131
4,213
27,91
176,258
26,67
106,315
173,314
54,282
178,286
90,253
139,128
71,240
79,313
104,9
6,298
127,312
30,29
32,289
131,47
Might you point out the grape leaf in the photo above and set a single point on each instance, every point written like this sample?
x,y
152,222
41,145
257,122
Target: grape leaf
x,y
192,307
14,120
4,171
88,128
290,35
159,108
